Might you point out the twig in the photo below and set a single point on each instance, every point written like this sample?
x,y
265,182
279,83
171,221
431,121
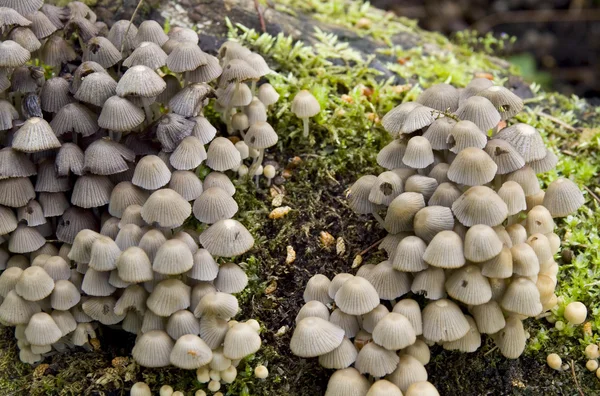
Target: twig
x,y
596,197
557,121
261,18
490,351
575,378
371,247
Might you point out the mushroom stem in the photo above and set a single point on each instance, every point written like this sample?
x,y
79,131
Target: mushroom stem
x,y
114,136
74,137
305,125
253,87
147,110
257,161
379,219
186,79
497,182
513,219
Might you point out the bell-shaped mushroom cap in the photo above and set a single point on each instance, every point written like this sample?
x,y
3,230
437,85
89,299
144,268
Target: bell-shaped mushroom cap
x,y
186,56
305,105
431,220
64,296
410,309
389,283
349,323
82,246
35,135
467,285
402,210
181,323
261,135
70,159
337,282
417,118
119,114
341,357
358,195
563,197
96,88
437,133
418,154
91,191
190,352
465,134
489,317
541,246
153,349
476,85
151,173
168,297
390,157
65,321
57,268
469,343
394,331
511,339
104,254
376,360
205,268
13,11
222,155
394,119
214,204
421,184
203,129
102,51
15,164
57,51
481,243
133,297
122,34
314,337
525,260
384,388
166,208
238,70
387,187
8,221
312,308
444,321
227,238
267,94
539,220
34,284
231,278
16,192
42,330
190,100
409,371
240,341
140,389
430,283
513,195
370,320
73,220
507,103
218,179
440,173
500,266
151,31
25,38
522,297
445,250
134,266
10,276
480,111
47,179
140,81
189,154
442,97
219,304
147,54
129,235
317,289
213,330
357,296
258,63
504,155
527,179
472,167
347,382
75,117
95,283
15,310
173,258
525,139
545,164
124,195
187,184
208,72
12,54
480,205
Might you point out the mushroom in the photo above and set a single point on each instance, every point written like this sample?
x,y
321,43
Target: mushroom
x,y
305,106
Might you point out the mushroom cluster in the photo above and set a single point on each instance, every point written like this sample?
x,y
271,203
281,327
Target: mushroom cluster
x,y
469,228
98,179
